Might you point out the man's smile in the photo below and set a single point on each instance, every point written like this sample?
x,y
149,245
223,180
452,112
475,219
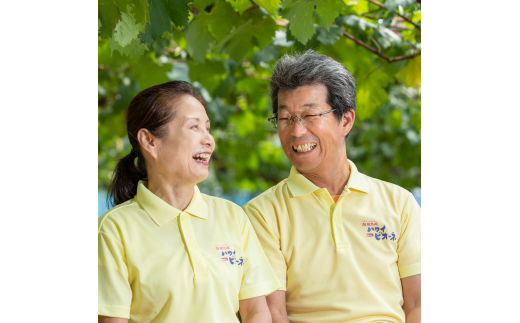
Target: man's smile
x,y
305,147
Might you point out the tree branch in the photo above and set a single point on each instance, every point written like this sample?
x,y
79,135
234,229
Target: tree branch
x,y
370,48
375,51
383,6
252,7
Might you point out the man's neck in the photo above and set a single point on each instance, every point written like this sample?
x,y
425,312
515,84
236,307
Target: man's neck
x,y
333,179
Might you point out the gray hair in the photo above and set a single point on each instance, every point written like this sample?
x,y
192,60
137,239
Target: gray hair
x,y
308,68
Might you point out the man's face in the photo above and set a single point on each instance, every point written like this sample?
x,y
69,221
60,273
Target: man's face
x,y
314,148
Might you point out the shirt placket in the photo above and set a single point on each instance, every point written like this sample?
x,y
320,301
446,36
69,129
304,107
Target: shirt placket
x,y
197,262
334,213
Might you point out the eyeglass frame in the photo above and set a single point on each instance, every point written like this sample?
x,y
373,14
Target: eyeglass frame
x,y
275,116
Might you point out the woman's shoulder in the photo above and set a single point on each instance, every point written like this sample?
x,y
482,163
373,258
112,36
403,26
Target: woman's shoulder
x,y
117,216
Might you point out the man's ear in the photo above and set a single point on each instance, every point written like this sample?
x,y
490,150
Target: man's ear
x,y
148,142
347,122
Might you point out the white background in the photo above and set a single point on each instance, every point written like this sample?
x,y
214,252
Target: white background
x,y
470,160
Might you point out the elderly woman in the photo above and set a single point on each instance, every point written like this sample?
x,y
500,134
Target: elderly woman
x,y
168,253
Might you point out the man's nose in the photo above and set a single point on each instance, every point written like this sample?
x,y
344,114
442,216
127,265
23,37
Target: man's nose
x,y
297,129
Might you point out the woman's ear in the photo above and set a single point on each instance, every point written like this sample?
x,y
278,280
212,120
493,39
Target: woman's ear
x,y
347,122
148,142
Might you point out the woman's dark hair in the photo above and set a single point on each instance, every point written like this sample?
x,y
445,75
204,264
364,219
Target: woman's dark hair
x,y
151,109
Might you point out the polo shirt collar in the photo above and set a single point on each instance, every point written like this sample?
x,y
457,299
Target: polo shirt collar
x,y
299,185
356,181
162,212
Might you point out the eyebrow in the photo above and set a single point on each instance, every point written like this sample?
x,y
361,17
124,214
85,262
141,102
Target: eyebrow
x,y
306,105
197,119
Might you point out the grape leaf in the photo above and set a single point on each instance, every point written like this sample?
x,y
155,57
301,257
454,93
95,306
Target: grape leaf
x,y
108,15
133,50
266,55
159,21
126,30
269,5
110,11
263,26
327,11
371,94
221,20
410,75
202,4
178,11
361,6
240,5
161,13
225,87
198,37
392,5
238,42
265,31
355,21
329,37
209,74
300,15
386,37
148,73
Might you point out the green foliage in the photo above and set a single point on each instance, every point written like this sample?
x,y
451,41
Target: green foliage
x,y
227,49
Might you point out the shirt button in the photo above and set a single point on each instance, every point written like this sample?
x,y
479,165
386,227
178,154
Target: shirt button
x,y
192,244
335,218
184,217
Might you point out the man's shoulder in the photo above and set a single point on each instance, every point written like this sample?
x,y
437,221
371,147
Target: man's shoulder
x,y
386,188
270,196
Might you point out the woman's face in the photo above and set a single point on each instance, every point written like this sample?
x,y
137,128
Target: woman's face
x,y
183,154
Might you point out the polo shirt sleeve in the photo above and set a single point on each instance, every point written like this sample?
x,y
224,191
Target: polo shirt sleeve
x,y
409,243
258,277
114,293
270,244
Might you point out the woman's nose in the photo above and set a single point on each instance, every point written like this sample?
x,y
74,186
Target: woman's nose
x,y
209,140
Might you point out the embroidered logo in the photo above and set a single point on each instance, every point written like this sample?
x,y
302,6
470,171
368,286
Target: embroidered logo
x,y
378,232
228,255
369,223
231,257
222,247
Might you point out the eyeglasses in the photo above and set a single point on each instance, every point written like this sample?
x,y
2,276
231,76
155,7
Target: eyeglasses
x,y
307,121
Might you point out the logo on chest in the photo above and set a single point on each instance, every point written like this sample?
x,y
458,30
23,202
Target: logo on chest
x,y
229,256
377,232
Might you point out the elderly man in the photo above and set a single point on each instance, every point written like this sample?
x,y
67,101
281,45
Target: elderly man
x,y
345,246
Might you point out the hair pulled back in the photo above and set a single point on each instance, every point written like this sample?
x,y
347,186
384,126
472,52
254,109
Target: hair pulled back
x,y
151,109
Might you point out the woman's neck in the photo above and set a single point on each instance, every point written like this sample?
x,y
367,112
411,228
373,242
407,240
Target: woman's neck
x,y
177,195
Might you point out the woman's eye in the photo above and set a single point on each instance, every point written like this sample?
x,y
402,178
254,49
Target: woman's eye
x,y
195,126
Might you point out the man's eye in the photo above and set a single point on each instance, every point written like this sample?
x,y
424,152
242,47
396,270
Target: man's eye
x,y
310,117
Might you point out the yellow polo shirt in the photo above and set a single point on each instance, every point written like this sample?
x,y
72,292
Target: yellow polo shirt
x,y
159,264
340,262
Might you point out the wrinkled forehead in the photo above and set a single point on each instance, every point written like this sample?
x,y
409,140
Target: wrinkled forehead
x,y
308,97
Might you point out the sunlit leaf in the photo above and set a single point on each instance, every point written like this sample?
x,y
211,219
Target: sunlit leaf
x,y
410,75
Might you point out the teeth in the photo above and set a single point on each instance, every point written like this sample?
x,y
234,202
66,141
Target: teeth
x,y
304,148
204,157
